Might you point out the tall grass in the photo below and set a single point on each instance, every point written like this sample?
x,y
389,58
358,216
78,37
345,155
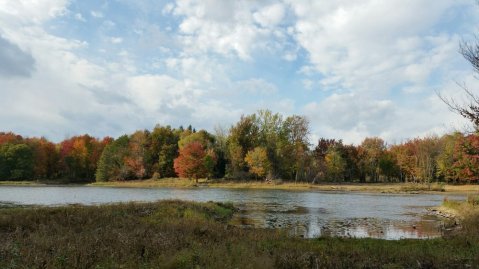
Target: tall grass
x,y
174,234
411,187
468,213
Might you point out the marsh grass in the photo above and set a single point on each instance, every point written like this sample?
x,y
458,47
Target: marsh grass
x,y
281,185
420,187
468,214
174,234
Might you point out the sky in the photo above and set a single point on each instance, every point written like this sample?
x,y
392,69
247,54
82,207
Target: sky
x,y
355,69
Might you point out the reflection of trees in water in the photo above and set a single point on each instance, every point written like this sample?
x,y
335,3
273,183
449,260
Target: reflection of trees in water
x,y
314,222
367,227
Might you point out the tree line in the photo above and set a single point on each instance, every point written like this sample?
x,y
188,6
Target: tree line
x,y
260,146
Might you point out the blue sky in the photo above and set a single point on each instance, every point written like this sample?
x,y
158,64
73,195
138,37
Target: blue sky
x,y
353,68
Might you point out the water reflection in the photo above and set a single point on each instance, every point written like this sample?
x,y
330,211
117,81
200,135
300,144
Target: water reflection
x,y
314,222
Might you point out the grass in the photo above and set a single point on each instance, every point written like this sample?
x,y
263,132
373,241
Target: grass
x,y
411,187
19,183
466,212
280,185
174,234
300,186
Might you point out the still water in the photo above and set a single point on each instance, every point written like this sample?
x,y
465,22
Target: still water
x,y
303,213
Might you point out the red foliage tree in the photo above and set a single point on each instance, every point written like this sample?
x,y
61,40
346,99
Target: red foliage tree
x,y
79,157
45,158
192,161
10,138
467,158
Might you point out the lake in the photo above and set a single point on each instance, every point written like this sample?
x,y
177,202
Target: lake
x,y
302,213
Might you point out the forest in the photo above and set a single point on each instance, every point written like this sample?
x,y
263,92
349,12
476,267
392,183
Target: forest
x,y
260,146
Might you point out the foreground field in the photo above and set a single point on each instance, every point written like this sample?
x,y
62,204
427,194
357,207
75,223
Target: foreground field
x,y
174,234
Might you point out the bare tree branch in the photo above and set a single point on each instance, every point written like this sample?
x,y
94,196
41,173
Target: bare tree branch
x,y
470,109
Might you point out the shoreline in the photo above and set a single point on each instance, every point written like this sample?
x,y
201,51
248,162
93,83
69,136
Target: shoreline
x,y
407,188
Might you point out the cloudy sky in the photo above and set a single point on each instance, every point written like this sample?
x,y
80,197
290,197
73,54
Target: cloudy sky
x,y
354,68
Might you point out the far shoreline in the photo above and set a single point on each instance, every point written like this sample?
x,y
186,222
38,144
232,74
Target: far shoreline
x,y
410,188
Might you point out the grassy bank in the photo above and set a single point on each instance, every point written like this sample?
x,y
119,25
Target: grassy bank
x,y
361,187
173,234
279,185
20,183
466,213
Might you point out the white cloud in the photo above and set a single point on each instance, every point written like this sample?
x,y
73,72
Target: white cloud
x,y
353,117
80,17
256,86
228,27
358,53
308,84
96,14
26,12
367,46
344,115
270,16
157,92
116,40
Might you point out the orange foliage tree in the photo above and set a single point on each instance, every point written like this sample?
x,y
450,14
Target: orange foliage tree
x,y
194,161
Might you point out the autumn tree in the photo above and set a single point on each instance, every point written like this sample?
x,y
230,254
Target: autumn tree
x,y
258,162
210,162
373,149
320,152
388,166
79,156
445,161
45,158
466,158
221,151
293,147
244,136
193,161
111,165
351,156
202,136
427,151
9,137
135,161
163,150
335,164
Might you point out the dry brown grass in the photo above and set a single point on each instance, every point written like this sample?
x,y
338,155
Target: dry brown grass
x,y
279,185
174,234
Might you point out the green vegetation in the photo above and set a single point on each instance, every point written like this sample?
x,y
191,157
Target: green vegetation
x,y
411,187
174,234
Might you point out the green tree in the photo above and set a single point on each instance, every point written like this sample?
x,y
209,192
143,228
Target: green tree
x,y
244,136
111,165
16,161
446,158
293,147
163,150
373,149
335,164
202,136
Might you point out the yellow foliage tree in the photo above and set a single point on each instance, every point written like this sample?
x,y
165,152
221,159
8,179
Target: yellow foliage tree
x,y
258,162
